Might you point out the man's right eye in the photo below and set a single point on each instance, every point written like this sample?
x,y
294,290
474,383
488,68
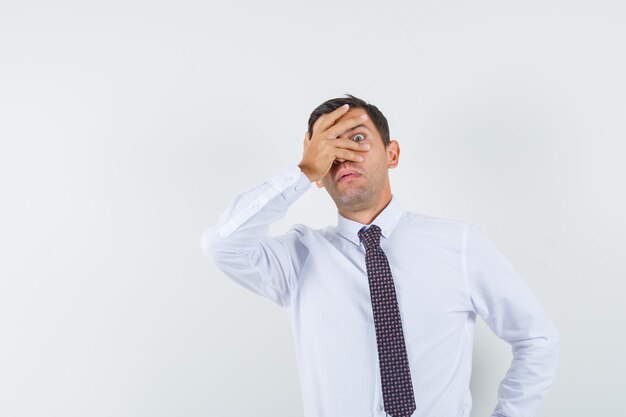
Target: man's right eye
x,y
357,136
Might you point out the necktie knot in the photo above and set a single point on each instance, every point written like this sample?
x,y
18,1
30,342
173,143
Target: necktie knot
x,y
370,237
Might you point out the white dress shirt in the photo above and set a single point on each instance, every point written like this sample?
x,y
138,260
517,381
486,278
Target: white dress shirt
x,y
445,273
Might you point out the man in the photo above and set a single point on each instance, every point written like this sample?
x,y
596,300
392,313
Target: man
x,y
383,305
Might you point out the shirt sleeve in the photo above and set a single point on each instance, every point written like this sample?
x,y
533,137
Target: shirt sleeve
x,y
238,243
507,305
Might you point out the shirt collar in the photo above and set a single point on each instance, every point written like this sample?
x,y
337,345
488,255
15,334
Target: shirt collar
x,y
387,220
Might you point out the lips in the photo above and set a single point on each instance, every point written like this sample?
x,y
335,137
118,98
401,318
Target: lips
x,y
345,175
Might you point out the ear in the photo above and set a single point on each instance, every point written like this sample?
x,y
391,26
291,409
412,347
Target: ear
x,y
393,153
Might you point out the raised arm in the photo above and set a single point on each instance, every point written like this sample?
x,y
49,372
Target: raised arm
x,y
238,243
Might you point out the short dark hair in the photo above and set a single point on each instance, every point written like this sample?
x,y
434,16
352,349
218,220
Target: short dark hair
x,y
379,120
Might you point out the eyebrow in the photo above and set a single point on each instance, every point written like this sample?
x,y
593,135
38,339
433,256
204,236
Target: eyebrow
x,y
357,127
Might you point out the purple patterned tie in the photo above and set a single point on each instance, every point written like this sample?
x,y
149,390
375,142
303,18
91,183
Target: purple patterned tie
x,y
394,364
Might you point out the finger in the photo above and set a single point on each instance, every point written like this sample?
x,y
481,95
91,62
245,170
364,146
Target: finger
x,y
344,125
328,119
346,143
348,155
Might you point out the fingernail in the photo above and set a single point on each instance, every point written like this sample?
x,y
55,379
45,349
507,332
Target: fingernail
x,y
363,116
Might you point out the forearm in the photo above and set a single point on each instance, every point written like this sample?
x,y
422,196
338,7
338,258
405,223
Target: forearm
x,y
532,372
248,216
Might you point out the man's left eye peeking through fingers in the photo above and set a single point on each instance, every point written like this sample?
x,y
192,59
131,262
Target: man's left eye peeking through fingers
x,y
358,137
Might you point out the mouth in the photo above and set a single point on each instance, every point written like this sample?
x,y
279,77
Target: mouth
x,y
348,176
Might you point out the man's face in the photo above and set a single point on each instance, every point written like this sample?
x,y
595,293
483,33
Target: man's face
x,y
364,187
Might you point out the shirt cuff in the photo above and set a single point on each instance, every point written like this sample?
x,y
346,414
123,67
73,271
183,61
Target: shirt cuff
x,y
291,183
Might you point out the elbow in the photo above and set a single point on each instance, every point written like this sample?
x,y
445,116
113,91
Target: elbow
x,y
553,342
550,353
557,340
210,242
223,251
554,339
556,344
552,361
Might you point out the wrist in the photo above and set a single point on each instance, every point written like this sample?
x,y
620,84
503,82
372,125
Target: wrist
x,y
306,171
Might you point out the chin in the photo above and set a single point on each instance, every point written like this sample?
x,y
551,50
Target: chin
x,y
350,197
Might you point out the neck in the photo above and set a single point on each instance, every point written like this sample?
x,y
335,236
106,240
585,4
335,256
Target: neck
x,y
367,215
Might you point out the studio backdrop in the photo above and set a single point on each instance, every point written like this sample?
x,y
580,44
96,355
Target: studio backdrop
x,y
126,128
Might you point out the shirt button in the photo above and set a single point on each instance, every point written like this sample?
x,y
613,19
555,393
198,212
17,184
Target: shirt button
x,y
256,205
381,408
297,187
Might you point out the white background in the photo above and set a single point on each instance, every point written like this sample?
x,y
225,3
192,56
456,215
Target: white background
x,y
127,127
